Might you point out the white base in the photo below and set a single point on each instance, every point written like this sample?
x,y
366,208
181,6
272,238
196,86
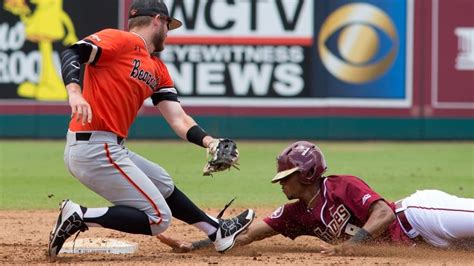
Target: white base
x,y
99,245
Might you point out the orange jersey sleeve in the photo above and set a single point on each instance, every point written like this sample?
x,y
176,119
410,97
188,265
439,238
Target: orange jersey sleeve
x,y
109,43
166,89
165,81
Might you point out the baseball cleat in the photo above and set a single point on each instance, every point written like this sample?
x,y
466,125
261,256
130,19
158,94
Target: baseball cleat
x,y
69,222
229,229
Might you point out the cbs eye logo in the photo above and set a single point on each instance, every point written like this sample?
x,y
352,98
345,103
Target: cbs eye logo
x,y
360,57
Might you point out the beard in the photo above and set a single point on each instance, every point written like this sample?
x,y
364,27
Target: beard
x,y
159,40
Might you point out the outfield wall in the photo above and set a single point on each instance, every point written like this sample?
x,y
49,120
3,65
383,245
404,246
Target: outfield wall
x,y
267,69
254,127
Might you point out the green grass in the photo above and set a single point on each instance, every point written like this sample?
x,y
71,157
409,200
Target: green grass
x,y
32,171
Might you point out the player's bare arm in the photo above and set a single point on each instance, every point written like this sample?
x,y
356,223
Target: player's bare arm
x,y
380,217
181,122
255,232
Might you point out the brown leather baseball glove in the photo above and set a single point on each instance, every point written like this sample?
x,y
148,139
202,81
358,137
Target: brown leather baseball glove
x,y
223,154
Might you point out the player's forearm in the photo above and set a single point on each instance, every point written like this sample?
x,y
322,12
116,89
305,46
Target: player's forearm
x,y
257,231
73,89
380,217
244,239
189,130
178,120
182,124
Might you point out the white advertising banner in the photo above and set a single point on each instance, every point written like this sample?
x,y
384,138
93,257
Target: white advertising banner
x,y
243,18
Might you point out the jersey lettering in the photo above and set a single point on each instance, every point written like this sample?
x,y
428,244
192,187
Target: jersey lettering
x,y
138,73
95,37
334,228
365,198
277,213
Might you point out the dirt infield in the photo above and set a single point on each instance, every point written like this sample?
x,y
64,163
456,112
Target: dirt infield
x,y
24,240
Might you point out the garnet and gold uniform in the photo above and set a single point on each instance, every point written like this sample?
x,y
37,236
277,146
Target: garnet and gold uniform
x,y
438,218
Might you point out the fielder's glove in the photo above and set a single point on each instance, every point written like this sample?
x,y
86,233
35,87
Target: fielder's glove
x,y
223,154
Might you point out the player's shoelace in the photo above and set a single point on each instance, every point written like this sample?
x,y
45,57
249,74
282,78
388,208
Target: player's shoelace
x,y
232,225
69,227
219,216
82,229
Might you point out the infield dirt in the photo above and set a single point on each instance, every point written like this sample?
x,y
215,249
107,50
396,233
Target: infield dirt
x,y
24,240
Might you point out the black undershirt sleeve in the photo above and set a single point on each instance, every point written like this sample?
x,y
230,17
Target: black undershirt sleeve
x,y
74,56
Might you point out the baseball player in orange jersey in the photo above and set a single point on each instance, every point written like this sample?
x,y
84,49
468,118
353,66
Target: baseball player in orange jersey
x,y
120,74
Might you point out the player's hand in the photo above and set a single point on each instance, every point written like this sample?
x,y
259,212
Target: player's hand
x,y
183,247
177,245
345,248
80,108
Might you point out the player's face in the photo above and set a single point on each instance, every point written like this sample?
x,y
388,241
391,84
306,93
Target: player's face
x,y
291,186
161,34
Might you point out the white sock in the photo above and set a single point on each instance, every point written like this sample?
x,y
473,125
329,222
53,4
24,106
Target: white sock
x,y
95,213
213,218
205,227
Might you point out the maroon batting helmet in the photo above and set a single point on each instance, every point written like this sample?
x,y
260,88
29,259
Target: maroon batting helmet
x,y
303,157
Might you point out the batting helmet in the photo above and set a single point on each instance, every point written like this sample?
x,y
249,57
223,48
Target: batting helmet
x,y
303,157
152,8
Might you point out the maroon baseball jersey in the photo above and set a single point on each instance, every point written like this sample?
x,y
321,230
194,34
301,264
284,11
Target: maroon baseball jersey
x,y
344,203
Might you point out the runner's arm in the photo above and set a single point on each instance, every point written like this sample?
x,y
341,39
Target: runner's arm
x,y
256,231
380,217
